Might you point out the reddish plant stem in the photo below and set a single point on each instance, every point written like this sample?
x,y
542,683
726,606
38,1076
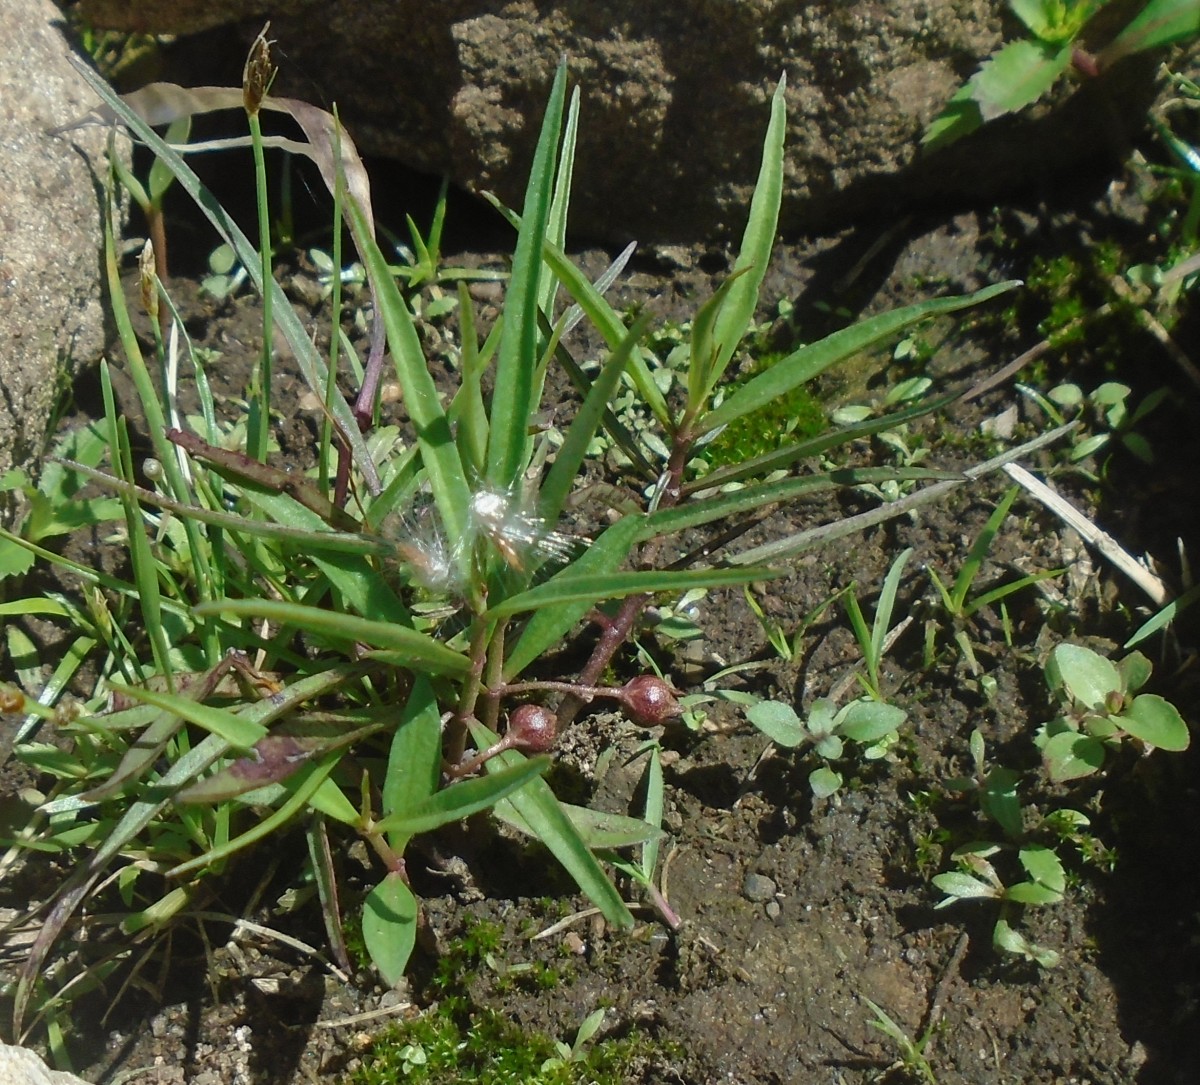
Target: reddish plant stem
x,y
615,631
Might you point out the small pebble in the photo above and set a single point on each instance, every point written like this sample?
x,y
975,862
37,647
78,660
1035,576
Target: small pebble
x,y
773,909
758,888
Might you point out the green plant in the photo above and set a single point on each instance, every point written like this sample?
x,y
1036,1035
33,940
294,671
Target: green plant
x,y
1101,711
977,878
394,595
1023,71
995,791
912,1060
1108,407
873,641
867,722
957,603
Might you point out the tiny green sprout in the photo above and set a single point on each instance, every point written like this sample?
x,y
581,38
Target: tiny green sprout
x,y
874,640
1101,709
576,1051
869,723
912,1058
995,788
1108,414
958,603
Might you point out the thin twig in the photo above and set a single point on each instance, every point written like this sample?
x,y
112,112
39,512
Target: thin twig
x,y
1101,541
938,1002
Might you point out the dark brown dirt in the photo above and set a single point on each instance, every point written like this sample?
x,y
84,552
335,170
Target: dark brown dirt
x,y
794,910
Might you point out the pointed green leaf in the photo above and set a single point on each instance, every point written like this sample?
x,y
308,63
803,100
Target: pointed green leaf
x,y
809,361
415,759
461,800
540,810
513,402
958,886
737,310
439,453
593,589
389,927
1159,23
422,650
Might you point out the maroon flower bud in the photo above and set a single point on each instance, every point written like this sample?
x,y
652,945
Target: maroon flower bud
x,y
531,729
649,701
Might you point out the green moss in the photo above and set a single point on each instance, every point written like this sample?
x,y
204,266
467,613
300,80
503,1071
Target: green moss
x,y
488,1049
793,417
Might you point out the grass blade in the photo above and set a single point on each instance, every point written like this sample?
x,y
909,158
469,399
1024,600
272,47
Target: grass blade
x,y
439,453
807,362
513,401
737,309
419,648
310,362
574,589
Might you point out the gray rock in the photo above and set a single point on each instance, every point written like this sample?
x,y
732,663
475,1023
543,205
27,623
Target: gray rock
x,y
674,98
19,1066
51,316
758,888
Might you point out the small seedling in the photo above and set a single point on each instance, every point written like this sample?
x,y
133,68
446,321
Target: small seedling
x,y
995,789
912,1060
869,723
1109,411
977,879
957,602
873,641
576,1051
1101,711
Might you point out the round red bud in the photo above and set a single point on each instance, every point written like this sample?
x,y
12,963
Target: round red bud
x,y
532,728
649,701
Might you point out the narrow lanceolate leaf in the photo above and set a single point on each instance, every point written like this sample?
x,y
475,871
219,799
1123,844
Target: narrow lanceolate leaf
x,y
513,398
389,927
540,811
609,324
415,759
420,649
737,309
439,453
1159,23
809,361
461,800
595,588
1016,76
234,729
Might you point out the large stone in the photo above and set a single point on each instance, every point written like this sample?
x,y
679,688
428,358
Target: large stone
x,y
51,316
674,97
19,1066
